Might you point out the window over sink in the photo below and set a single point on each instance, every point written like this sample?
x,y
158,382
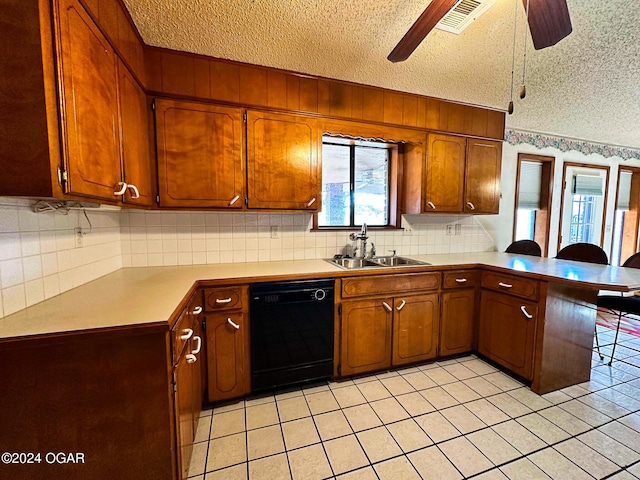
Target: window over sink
x,y
355,183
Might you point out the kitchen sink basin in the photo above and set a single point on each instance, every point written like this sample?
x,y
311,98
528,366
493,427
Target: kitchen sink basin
x,y
392,261
353,262
395,261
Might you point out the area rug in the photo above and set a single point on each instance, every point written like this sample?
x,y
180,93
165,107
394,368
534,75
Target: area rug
x,y
629,324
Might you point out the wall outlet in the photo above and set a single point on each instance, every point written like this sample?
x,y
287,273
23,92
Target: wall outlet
x,y
275,231
449,229
78,234
407,232
458,229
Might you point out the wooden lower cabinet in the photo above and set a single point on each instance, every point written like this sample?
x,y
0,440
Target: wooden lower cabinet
x,y
365,336
415,328
507,331
457,323
381,332
228,361
184,376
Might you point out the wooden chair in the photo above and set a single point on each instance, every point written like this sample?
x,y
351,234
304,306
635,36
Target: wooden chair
x,y
620,305
525,247
584,252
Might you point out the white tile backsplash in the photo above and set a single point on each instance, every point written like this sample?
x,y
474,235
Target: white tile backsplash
x,y
38,254
190,238
39,258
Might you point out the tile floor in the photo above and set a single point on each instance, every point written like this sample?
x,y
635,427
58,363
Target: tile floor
x,y
454,419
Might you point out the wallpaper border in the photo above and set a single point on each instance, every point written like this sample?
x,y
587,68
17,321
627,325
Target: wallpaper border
x,y
538,140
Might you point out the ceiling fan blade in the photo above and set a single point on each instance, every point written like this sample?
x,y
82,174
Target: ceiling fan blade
x,y
420,29
549,21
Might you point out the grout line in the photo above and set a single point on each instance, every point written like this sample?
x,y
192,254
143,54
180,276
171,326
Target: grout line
x,y
412,417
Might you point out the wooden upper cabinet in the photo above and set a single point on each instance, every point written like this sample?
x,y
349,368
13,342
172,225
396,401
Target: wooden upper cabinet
x,y
134,125
89,100
482,176
445,174
282,162
200,159
462,175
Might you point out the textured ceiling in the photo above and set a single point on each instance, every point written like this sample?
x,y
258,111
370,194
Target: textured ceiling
x,y
587,86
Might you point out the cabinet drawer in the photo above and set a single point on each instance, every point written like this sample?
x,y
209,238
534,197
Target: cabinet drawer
x,y
460,279
518,286
216,299
389,284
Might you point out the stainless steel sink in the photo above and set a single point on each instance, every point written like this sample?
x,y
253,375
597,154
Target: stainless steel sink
x,y
394,261
352,262
391,261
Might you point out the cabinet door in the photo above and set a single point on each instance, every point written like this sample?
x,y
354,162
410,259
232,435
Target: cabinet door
x,y
136,157
282,162
445,174
227,356
456,327
507,334
89,79
199,150
482,176
198,382
365,335
415,328
184,373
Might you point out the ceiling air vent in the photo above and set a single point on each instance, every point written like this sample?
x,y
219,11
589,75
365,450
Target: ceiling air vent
x,y
463,14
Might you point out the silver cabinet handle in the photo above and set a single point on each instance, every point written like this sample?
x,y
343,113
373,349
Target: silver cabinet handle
x,y
191,358
199,347
401,305
505,285
136,193
461,280
311,202
223,300
471,206
122,190
234,199
386,305
525,313
187,333
197,310
431,205
233,324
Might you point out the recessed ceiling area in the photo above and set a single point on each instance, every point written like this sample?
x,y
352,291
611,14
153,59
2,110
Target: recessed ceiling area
x,y
587,86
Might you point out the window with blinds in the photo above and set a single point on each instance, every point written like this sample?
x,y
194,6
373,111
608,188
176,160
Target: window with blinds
x,y
530,185
588,185
624,191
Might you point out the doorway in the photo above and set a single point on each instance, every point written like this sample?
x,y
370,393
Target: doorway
x,y
584,201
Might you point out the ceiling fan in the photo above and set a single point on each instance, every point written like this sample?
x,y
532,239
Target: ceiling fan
x,y
549,23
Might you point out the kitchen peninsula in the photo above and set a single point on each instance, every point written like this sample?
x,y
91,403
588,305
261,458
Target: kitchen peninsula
x,y
91,370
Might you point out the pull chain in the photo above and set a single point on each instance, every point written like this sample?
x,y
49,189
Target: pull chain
x,y
513,55
523,89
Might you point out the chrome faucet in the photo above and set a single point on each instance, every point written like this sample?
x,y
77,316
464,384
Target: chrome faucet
x,y
362,236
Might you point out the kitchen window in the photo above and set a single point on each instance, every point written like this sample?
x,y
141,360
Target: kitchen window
x,y
355,183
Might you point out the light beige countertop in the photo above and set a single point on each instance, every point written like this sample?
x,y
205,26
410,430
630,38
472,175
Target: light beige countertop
x,y
151,295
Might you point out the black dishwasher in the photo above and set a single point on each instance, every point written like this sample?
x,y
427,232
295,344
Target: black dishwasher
x,y
291,332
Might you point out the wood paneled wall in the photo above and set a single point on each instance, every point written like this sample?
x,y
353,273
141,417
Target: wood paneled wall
x,y
116,24
195,76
